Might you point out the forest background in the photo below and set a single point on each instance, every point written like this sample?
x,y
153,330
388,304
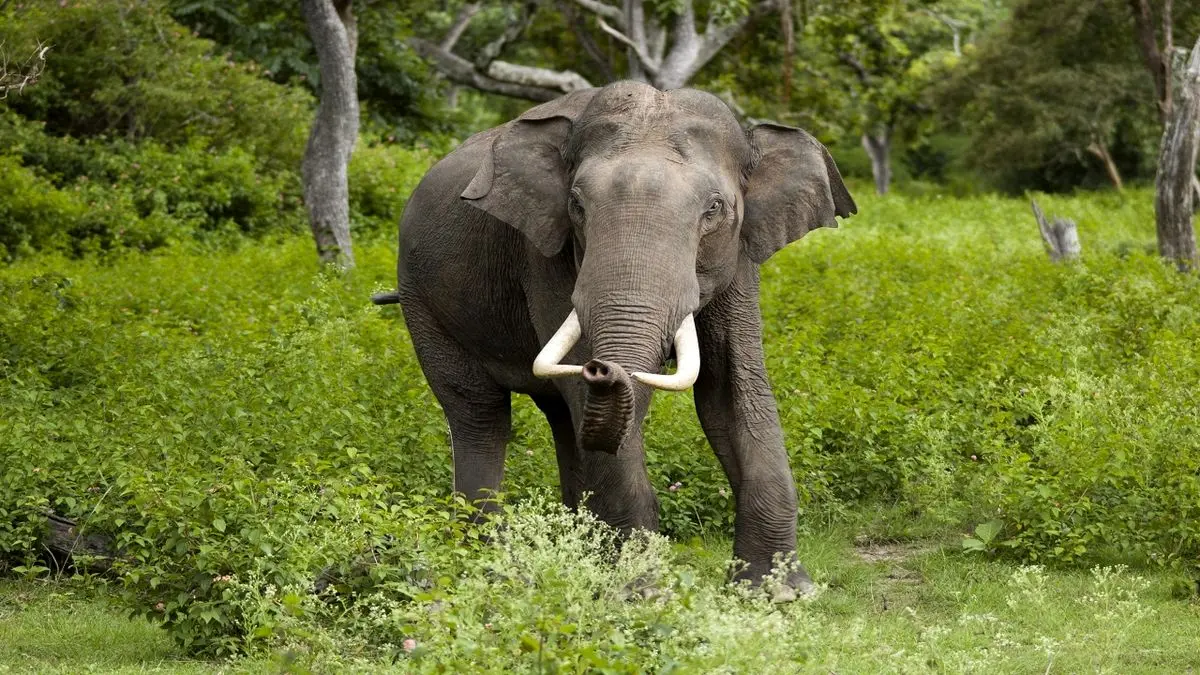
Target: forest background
x,y
217,425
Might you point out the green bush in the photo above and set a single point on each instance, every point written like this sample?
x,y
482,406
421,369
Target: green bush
x,y
125,69
381,177
235,414
88,196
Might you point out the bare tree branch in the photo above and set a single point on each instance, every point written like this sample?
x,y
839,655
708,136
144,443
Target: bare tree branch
x,y
646,61
716,37
566,81
656,42
462,71
614,14
646,40
864,76
680,62
460,24
635,27
27,73
492,49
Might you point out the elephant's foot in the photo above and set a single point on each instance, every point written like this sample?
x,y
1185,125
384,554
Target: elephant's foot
x,y
783,578
796,586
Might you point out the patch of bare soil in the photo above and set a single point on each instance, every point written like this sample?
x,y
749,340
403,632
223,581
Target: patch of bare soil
x,y
899,586
889,553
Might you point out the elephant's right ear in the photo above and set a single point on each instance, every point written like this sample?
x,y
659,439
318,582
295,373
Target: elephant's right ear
x,y
523,180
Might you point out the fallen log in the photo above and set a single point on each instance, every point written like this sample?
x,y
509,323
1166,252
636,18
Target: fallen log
x,y
68,547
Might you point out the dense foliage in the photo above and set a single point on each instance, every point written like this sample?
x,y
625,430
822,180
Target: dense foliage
x,y
233,414
142,134
1046,90
260,447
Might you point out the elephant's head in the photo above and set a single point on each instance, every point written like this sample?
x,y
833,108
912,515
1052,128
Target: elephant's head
x,y
656,195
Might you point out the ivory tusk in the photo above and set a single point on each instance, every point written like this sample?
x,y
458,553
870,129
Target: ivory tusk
x,y
547,362
687,360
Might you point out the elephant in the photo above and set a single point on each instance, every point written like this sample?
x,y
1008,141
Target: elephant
x,y
571,253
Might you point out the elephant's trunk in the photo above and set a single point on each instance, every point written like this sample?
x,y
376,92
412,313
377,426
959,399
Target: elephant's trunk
x,y
608,413
629,342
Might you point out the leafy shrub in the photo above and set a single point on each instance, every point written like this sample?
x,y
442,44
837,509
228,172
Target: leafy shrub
x,y
381,177
235,414
88,196
125,69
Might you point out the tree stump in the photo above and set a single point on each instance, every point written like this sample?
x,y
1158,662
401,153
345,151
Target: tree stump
x,y
1060,236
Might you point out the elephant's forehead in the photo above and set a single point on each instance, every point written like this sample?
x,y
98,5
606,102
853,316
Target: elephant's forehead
x,y
693,127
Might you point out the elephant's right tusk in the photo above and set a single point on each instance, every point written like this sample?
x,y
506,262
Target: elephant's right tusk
x,y
547,362
687,361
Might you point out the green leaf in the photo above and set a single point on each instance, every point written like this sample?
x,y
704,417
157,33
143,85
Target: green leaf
x,y
988,531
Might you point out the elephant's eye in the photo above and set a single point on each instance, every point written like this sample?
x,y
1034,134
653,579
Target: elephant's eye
x,y
716,207
575,207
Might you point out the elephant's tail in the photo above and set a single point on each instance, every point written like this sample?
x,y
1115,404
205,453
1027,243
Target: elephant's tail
x,y
388,298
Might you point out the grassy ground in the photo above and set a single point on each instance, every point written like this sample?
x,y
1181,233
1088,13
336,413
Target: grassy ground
x,y
172,399
898,607
60,628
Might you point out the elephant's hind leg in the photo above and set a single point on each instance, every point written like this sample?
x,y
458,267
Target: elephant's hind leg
x,y
477,409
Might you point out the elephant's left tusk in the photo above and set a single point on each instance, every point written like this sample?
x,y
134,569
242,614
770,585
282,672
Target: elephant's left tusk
x,y
687,361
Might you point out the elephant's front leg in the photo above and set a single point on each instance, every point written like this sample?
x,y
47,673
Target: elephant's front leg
x,y
737,410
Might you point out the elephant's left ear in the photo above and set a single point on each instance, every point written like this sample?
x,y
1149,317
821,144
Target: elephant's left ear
x,y
523,181
795,187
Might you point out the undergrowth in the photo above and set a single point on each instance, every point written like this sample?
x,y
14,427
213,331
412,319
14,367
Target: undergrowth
x,y
234,419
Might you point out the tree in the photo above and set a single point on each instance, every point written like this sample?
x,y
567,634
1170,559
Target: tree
x,y
885,54
663,43
334,33
17,76
1053,97
1176,236
397,91
1174,193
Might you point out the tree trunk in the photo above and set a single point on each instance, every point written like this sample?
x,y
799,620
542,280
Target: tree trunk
x,y
878,146
635,19
1157,61
67,548
1100,150
789,48
1174,192
334,33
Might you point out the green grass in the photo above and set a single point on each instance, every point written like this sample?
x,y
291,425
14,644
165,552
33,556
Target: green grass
x,y
242,424
67,628
911,607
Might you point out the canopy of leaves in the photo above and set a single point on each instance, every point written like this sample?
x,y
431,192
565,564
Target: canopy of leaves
x,y
394,85
1049,82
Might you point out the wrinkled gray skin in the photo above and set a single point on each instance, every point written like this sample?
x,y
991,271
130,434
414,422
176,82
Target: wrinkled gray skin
x,y
635,207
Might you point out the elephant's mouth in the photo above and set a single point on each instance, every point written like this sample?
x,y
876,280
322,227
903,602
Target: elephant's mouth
x,y
609,413
548,363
